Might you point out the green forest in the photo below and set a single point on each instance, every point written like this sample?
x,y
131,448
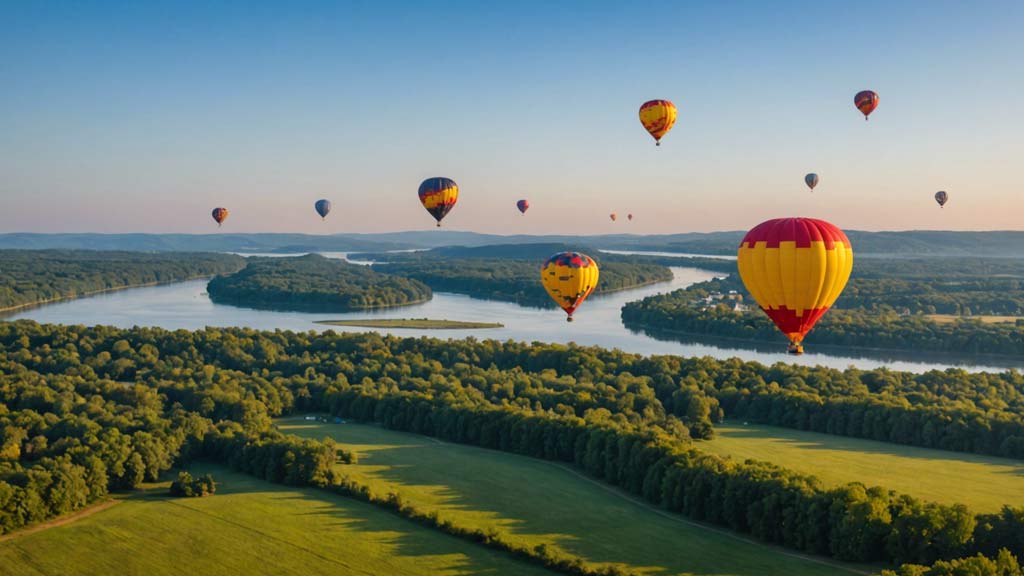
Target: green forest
x,y
510,273
315,284
87,410
34,276
884,306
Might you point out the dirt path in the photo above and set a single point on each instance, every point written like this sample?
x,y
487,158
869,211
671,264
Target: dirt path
x,y
61,520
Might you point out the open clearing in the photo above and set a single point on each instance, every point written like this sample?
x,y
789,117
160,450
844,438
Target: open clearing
x,y
248,527
984,483
949,318
543,502
418,323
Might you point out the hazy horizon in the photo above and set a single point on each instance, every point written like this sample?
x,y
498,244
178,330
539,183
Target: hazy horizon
x,y
120,118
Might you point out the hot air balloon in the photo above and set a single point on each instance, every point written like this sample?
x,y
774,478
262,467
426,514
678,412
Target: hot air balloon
x,y
658,116
439,195
569,277
795,268
220,215
523,205
323,207
866,101
811,180
629,217
613,216
941,197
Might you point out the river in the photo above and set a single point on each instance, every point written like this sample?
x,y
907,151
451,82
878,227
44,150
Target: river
x,y
186,305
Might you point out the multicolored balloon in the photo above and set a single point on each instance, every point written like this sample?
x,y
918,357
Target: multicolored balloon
x,y
795,268
941,197
811,180
439,195
523,205
323,208
569,277
866,101
220,215
613,216
658,116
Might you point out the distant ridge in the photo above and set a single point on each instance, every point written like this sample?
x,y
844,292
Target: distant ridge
x,y
1005,244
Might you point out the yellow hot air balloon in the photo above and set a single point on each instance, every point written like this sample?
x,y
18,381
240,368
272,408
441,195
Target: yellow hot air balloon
x,y
569,277
795,268
658,116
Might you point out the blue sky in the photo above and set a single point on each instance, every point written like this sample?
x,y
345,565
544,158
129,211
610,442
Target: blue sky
x,y
144,116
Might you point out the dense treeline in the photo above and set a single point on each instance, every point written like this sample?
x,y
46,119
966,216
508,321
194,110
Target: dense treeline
x,y
511,273
33,276
1004,564
316,284
622,418
881,327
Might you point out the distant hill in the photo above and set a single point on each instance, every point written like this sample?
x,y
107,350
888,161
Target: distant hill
x,y
1008,244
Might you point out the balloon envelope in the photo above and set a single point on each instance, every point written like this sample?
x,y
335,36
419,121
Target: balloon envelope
x,y
323,207
866,101
439,195
629,217
523,205
795,268
569,277
220,215
811,180
613,216
941,197
658,116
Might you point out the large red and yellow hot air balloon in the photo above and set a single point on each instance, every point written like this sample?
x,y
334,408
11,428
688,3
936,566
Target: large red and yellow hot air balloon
x,y
658,116
220,215
569,277
795,268
866,101
439,195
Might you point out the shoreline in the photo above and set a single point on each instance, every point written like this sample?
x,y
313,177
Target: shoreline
x,y
79,296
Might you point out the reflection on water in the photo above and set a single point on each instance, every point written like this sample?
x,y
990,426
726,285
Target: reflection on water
x,y
185,305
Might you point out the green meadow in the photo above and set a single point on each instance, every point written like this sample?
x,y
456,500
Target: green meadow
x,y
983,483
536,501
248,527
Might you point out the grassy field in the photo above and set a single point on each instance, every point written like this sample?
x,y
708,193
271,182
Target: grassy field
x,y
542,502
984,483
418,323
248,527
949,318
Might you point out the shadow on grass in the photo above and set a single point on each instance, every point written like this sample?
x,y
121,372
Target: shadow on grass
x,y
537,501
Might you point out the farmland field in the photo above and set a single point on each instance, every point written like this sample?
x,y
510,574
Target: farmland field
x,y
248,527
984,483
536,501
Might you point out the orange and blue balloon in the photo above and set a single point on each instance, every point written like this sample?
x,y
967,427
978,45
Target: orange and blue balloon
x,y
523,205
323,208
569,277
439,195
220,215
658,116
866,101
795,268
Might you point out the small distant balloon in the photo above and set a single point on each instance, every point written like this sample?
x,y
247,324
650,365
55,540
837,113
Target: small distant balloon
x,y
523,205
658,116
866,101
811,180
613,216
629,217
569,277
438,196
220,215
941,197
323,208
